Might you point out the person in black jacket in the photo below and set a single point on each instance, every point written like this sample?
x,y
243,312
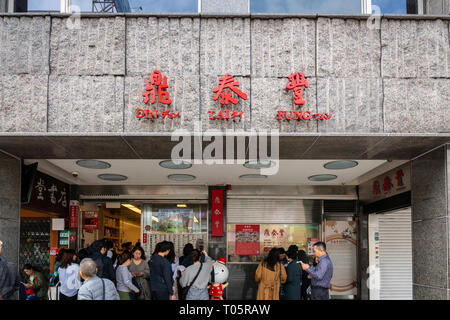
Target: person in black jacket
x,y
161,280
104,264
306,282
9,278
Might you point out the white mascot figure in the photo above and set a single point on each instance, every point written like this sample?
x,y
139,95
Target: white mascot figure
x,y
220,279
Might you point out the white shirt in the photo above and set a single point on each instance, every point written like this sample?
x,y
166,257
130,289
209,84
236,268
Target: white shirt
x,y
70,279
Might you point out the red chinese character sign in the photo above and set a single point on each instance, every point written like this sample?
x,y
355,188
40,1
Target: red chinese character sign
x,y
156,86
73,214
297,81
225,90
217,212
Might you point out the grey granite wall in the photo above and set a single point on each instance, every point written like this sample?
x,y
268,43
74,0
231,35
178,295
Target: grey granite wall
x,y
430,230
10,207
59,74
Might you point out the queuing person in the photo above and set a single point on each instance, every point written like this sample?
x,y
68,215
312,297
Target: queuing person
x,y
174,262
141,272
161,281
36,283
186,252
9,278
104,264
293,285
270,275
69,276
306,278
110,252
126,247
200,246
282,255
124,278
93,287
321,274
201,273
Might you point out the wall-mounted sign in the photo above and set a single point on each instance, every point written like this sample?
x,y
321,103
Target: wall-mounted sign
x,y
58,224
311,242
74,208
247,239
90,220
217,212
49,195
391,183
53,251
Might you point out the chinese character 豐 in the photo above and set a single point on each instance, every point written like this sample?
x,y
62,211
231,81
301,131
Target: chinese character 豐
x,y
155,81
296,82
226,95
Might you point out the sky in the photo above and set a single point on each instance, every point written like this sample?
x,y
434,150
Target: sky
x,y
263,6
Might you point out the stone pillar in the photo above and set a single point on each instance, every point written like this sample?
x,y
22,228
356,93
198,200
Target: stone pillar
x,y
430,229
437,7
227,7
10,170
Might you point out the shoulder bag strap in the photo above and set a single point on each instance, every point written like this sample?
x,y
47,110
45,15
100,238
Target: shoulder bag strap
x,y
195,278
103,286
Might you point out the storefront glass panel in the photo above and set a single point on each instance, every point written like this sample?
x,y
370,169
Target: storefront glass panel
x,y
306,6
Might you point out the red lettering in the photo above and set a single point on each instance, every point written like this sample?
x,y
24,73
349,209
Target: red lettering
x,y
307,115
211,114
140,113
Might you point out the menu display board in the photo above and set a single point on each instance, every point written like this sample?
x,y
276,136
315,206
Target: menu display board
x,y
179,241
247,239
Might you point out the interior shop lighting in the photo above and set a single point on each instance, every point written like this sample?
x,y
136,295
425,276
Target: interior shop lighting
x,y
131,207
261,164
252,177
322,177
93,164
112,177
181,205
155,219
169,164
181,177
341,164
195,219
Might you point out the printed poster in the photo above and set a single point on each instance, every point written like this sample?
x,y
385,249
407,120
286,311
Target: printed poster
x,y
247,239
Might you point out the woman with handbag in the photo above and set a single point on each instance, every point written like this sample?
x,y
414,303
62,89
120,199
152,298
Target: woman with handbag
x,y
269,275
195,278
141,273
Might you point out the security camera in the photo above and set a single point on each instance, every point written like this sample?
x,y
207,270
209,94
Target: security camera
x,y
75,174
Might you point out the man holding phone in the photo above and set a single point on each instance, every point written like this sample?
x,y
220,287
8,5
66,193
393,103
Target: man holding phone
x,y
320,275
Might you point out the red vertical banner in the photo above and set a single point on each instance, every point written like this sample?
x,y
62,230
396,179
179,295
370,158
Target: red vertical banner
x,y
74,208
217,213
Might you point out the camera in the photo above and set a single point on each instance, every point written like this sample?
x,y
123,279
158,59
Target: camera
x,y
75,174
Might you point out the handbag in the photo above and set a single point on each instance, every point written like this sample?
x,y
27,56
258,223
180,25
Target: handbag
x,y
184,290
54,291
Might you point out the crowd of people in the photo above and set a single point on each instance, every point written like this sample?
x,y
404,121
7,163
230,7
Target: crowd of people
x,y
99,273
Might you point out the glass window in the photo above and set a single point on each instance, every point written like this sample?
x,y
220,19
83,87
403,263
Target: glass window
x,y
306,6
44,5
250,243
164,6
389,6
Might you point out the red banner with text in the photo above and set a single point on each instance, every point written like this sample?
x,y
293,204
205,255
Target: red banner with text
x,y
73,214
217,213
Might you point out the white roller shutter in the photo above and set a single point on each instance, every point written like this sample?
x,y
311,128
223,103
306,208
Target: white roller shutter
x,y
395,255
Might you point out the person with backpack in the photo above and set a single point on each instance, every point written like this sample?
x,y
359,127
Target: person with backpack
x,y
104,264
95,288
197,276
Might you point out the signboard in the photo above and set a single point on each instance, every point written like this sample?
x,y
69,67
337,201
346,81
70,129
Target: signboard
x,y
90,220
58,224
247,239
74,208
217,213
49,195
64,238
53,251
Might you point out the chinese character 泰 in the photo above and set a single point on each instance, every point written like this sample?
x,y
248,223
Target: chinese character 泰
x,y
155,80
41,187
222,91
296,82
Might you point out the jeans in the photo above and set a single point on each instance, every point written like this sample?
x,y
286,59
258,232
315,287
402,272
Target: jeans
x,y
318,293
64,297
197,294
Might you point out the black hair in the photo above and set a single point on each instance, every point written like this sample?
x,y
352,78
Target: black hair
x,y
122,258
83,253
98,245
302,256
60,254
138,249
321,245
161,247
108,244
281,250
188,249
67,258
171,255
28,267
292,252
272,258
195,255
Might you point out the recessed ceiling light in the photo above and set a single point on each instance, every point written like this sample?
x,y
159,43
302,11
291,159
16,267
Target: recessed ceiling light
x,y
261,164
339,165
252,177
93,164
131,207
322,177
112,177
181,177
176,164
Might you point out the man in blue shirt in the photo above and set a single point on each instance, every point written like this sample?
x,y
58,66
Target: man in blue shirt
x,y
320,275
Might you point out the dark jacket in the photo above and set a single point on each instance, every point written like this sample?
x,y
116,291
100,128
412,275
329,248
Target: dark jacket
x,y
40,284
9,280
104,266
160,274
293,283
